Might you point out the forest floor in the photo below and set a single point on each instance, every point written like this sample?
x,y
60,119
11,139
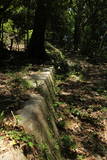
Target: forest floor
x,y
82,111
14,92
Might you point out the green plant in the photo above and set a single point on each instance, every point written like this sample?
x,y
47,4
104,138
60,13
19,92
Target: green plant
x,y
104,109
57,104
18,82
43,147
57,58
57,90
101,91
2,116
56,146
76,112
18,135
68,142
80,157
60,78
25,69
79,113
93,108
61,124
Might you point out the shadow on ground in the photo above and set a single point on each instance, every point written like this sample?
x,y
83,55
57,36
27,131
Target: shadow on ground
x,y
86,101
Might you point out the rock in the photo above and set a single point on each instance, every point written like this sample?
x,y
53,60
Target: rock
x,y
7,151
38,116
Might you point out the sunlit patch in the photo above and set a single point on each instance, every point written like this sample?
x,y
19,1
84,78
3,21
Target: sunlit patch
x,y
72,125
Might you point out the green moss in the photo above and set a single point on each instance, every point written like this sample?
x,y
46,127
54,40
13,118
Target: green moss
x,y
57,58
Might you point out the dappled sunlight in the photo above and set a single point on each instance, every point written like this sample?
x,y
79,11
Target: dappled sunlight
x,y
69,37
84,114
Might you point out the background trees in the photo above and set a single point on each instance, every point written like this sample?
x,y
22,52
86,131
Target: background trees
x,y
78,26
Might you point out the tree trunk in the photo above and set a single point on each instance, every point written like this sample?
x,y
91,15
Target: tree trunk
x,y
77,33
36,45
78,20
0,28
2,36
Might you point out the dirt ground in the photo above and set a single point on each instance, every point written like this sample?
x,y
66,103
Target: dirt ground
x,y
82,112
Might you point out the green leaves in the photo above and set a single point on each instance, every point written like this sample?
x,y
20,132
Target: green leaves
x,y
2,116
57,104
68,142
21,136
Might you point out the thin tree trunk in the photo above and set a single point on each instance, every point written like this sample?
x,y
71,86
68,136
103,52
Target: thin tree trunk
x,y
78,19
11,46
2,36
0,28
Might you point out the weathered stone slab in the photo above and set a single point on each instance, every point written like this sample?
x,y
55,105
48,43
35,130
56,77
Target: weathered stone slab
x,y
37,117
7,152
43,78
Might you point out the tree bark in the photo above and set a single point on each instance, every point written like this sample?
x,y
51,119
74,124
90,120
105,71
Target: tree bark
x,y
77,33
78,20
36,45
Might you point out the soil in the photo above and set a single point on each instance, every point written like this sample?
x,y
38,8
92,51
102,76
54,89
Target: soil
x,y
83,110
81,115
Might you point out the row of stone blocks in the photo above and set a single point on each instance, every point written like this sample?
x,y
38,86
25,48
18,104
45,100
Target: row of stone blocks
x,y
38,116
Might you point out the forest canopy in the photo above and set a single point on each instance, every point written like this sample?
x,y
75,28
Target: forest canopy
x,y
75,25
